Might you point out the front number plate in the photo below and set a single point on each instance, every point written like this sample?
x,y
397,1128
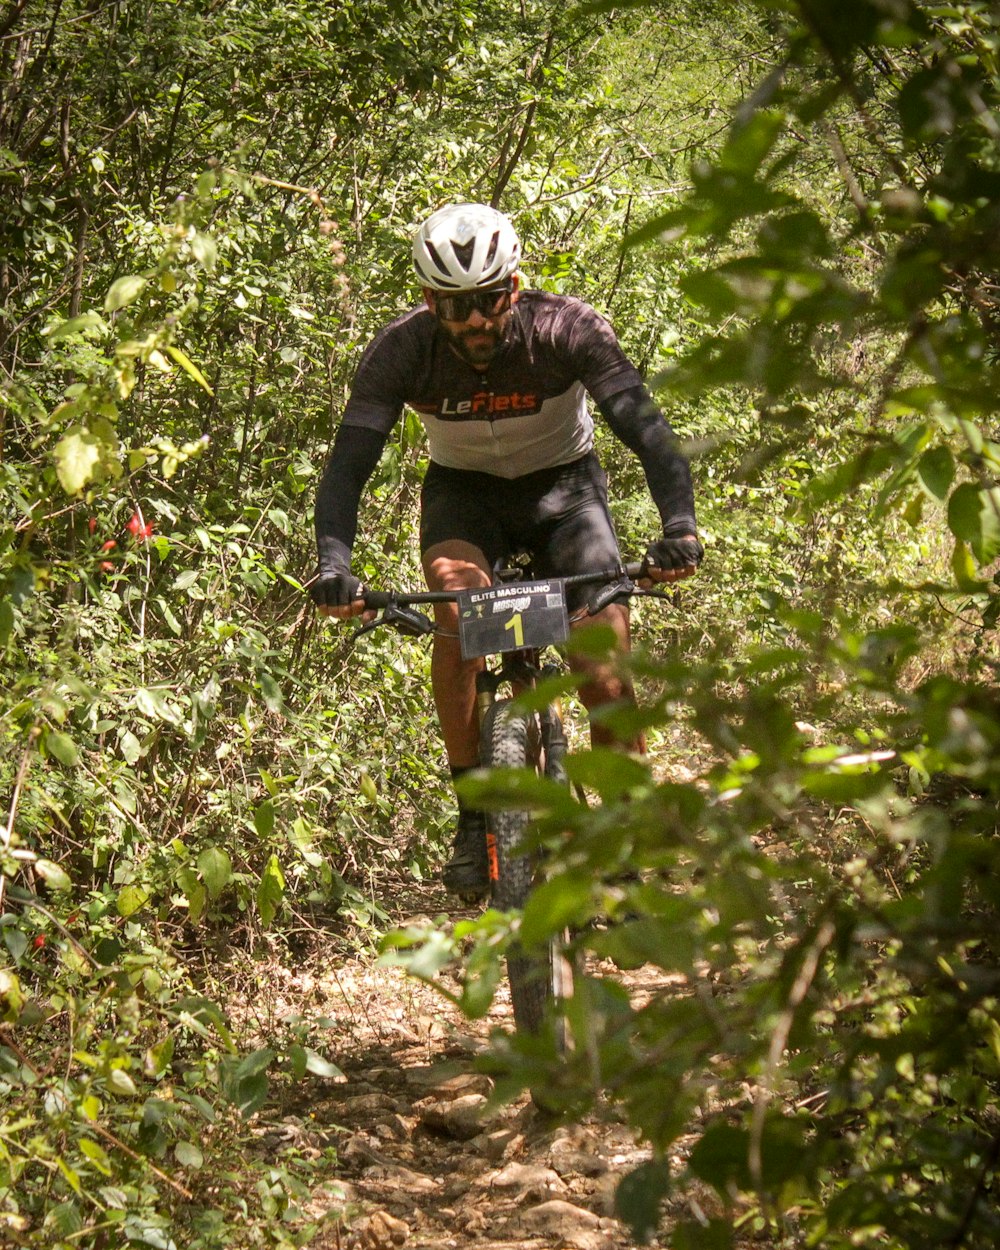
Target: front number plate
x,y
512,617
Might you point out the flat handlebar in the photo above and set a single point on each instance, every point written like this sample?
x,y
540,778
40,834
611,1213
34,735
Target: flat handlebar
x,y
380,599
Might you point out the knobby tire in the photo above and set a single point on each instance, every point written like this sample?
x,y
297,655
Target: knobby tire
x,y
512,739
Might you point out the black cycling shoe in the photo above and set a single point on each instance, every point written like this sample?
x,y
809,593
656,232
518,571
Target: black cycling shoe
x,y
467,872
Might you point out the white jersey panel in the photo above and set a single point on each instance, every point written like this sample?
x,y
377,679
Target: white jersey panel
x,y
509,443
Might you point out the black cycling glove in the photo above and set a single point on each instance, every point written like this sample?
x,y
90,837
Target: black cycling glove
x,y
674,553
336,589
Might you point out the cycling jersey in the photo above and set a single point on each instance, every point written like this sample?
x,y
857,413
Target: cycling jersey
x,y
527,411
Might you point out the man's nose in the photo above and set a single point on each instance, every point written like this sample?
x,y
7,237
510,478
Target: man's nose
x,y
476,319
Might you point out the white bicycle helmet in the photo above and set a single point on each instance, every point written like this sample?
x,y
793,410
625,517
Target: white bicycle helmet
x,y
464,247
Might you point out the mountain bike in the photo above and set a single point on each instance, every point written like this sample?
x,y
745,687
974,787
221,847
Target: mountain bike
x,y
510,624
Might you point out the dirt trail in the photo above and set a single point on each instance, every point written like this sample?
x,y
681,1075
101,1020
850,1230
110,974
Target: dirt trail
x,y
421,1162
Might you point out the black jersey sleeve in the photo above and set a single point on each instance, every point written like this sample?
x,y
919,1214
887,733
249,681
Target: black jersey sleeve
x,y
637,421
593,349
385,375
356,452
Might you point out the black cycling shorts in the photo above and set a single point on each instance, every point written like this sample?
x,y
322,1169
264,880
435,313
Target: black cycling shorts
x,y
559,516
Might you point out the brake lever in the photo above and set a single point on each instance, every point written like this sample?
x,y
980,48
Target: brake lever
x,y
617,592
406,621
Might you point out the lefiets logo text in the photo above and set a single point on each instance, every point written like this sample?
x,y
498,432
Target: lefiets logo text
x,y
489,404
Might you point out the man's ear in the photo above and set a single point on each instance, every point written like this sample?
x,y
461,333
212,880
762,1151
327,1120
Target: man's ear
x,y
429,298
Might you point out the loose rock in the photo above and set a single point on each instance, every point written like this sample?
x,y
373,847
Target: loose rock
x,y
380,1231
526,1180
461,1118
561,1221
401,1178
363,1104
502,1143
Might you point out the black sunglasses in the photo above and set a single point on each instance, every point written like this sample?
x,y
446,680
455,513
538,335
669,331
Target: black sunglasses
x,y
489,303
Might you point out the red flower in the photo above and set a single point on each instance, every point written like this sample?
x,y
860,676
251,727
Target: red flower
x,y
92,523
38,941
107,566
138,530
110,545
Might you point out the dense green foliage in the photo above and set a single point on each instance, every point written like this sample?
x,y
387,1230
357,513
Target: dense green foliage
x,y
830,896
203,217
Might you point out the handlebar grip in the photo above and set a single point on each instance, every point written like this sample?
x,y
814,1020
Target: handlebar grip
x,y
376,599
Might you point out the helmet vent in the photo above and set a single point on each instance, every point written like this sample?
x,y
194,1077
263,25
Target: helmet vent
x,y
463,252
494,244
436,258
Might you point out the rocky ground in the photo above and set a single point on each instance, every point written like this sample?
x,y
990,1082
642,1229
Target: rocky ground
x,y
423,1157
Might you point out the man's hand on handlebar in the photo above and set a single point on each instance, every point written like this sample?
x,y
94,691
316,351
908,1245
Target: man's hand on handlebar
x,y
672,559
339,594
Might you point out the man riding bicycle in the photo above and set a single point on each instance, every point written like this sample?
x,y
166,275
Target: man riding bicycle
x,y
499,377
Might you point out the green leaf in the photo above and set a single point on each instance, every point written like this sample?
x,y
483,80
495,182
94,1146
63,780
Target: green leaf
x,y
263,819
62,748
119,1082
12,998
270,891
914,510
963,568
189,367
596,641
78,325
152,702
639,1196
716,1234
124,292
271,692
257,1061
53,876
974,518
6,621
216,870
96,1154
280,519
720,1157
750,142
130,899
158,1057
131,748
194,892
85,456
846,787
936,470
188,1155
296,1057
251,1094
65,1218
16,942
319,1066
609,772
666,942
205,251
247,1084
554,905
186,579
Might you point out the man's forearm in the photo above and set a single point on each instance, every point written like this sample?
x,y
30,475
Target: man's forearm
x,y
636,420
356,452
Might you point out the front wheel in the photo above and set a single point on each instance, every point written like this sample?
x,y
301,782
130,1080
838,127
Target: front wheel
x,y
513,739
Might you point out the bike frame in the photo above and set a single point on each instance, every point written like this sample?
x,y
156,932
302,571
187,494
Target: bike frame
x,y
490,620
